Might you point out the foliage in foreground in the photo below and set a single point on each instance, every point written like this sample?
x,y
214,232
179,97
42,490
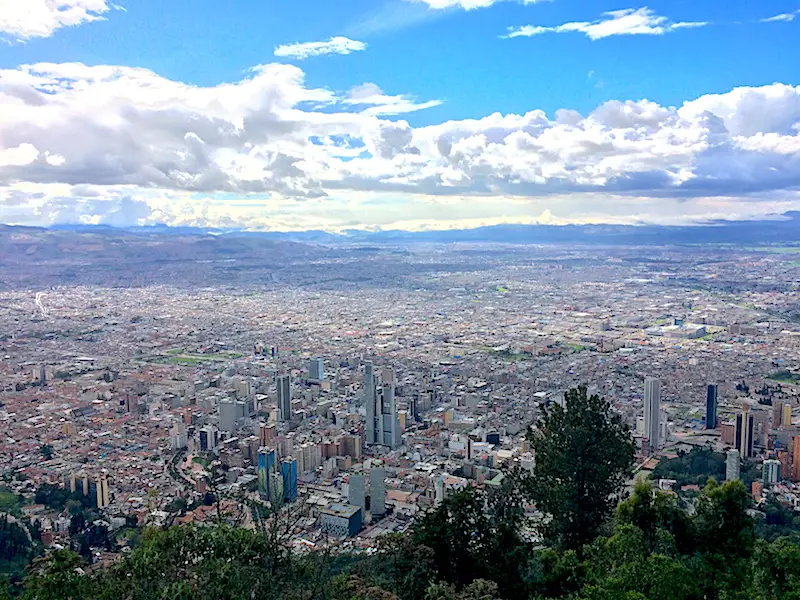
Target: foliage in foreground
x,y
471,547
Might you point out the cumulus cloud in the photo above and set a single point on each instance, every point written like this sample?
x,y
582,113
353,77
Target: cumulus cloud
x,y
335,45
641,21
77,140
25,19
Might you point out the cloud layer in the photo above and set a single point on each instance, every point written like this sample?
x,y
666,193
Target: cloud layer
x,y
124,145
465,4
336,45
25,19
642,21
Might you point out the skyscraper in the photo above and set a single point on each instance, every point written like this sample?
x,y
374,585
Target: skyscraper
x,y
771,472
289,473
744,432
316,369
369,401
389,418
227,416
732,465
267,461
102,498
652,413
383,420
357,492
777,414
284,386
711,406
377,491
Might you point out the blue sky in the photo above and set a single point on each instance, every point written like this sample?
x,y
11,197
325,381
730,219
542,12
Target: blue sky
x,y
429,71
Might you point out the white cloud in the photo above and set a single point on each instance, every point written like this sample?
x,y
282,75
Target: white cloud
x,y
25,19
335,45
641,21
268,151
379,104
784,17
466,4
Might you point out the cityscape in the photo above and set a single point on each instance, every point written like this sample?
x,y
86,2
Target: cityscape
x,y
399,300
368,399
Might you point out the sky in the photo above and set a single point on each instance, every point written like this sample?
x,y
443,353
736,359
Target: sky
x,y
397,114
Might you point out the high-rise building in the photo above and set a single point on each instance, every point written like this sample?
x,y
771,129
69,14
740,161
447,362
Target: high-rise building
x,y
267,462
209,438
351,446
289,473
711,406
786,421
744,432
771,472
369,402
383,419
284,386
316,369
652,413
389,418
777,414
103,499
356,494
732,460
227,416
377,491
177,436
796,458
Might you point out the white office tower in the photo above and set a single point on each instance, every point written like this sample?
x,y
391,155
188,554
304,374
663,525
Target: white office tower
x,y
227,416
316,369
439,490
389,418
284,386
178,437
771,472
356,494
377,491
652,413
732,465
369,401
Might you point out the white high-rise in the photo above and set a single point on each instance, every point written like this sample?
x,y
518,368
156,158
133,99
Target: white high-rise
x,y
284,386
771,472
652,413
732,465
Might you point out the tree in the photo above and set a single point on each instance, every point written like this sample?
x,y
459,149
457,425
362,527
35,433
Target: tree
x,y
655,514
584,454
456,531
47,451
725,539
777,569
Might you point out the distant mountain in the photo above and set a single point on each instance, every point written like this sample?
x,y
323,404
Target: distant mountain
x,y
786,230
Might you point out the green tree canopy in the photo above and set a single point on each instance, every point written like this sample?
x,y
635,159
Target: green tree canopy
x,y
584,454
